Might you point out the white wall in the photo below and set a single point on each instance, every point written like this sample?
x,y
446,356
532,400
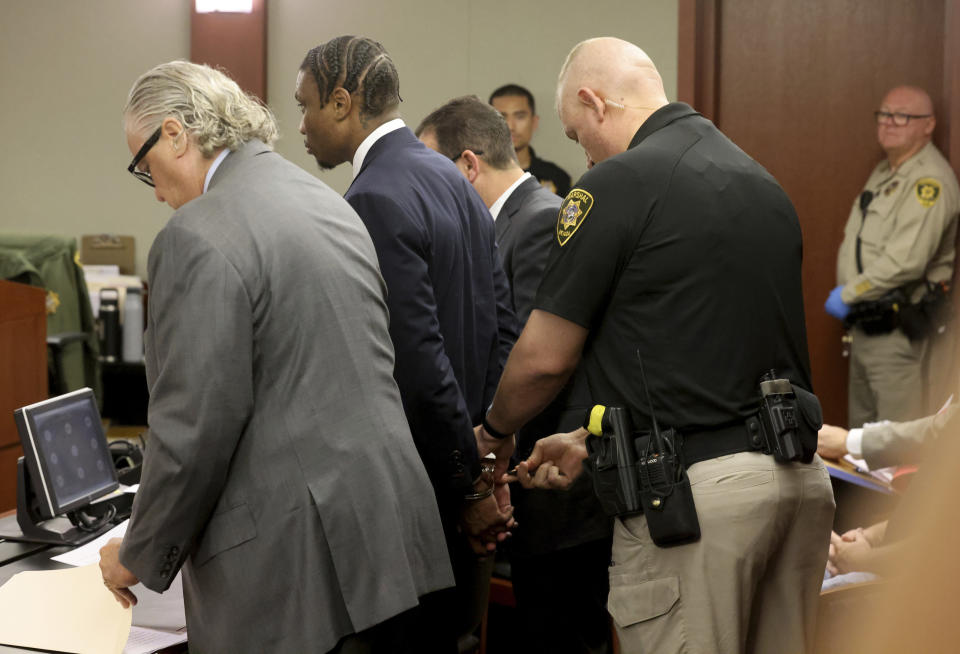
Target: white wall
x,y
446,48
66,67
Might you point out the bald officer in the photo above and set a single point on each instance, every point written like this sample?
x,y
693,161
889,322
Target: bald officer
x,y
898,245
665,188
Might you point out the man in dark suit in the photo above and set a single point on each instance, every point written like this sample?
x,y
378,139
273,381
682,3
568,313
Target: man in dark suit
x,y
279,471
558,531
450,316
471,134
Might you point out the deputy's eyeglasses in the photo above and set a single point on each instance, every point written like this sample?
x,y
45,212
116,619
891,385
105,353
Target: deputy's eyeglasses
x,y
896,118
479,153
132,168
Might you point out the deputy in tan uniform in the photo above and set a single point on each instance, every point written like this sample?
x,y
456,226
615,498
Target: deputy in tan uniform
x,y
900,235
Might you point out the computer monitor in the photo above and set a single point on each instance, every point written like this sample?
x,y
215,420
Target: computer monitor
x,y
66,462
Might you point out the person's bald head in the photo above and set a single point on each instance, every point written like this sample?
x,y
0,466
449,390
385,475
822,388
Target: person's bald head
x,y
910,97
905,122
607,88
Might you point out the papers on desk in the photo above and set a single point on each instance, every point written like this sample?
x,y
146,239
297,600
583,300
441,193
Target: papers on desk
x,y
883,474
90,553
160,610
147,641
63,610
158,619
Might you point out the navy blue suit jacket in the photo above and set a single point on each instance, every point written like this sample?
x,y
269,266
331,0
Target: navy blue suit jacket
x,y
450,316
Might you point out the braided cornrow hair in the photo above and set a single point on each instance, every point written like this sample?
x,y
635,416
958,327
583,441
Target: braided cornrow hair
x,y
355,63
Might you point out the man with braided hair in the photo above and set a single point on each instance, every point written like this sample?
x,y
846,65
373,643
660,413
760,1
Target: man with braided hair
x,y
450,317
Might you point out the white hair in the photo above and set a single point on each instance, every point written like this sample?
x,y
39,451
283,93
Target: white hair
x,y
213,109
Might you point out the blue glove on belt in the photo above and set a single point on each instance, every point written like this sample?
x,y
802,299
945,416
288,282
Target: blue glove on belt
x,y
835,306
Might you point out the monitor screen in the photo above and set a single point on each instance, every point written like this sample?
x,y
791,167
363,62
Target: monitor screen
x,y
66,451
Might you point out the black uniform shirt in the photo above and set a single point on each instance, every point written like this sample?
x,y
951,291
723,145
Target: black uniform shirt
x,y
685,248
551,176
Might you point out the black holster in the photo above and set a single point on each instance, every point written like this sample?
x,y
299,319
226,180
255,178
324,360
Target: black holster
x,y
880,316
790,417
631,475
929,315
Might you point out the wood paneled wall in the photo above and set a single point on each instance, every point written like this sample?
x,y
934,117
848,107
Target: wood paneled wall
x,y
23,372
794,84
235,42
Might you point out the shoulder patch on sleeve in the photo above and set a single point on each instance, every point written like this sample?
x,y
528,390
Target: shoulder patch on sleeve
x,y
573,212
928,191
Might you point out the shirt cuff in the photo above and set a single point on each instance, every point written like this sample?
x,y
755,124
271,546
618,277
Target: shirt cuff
x,y
855,442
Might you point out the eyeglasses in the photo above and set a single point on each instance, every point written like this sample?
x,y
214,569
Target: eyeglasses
x,y
897,118
479,153
132,168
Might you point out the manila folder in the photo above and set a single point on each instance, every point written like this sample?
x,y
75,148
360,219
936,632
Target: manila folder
x,y
63,610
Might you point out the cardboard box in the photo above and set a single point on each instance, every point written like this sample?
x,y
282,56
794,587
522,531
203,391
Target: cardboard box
x,y
109,249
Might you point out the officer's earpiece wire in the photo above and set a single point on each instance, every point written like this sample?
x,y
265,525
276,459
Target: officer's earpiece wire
x,y
620,105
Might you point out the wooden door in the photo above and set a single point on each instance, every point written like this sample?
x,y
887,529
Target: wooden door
x,y
794,84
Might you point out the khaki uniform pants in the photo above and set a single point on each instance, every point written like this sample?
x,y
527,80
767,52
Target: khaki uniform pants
x,y
887,381
752,581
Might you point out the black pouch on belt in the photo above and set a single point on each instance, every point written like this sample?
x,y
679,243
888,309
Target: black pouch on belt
x,y
665,491
645,473
877,317
929,315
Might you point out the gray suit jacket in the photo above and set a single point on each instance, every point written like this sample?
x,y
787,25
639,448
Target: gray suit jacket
x,y
899,443
279,470
525,229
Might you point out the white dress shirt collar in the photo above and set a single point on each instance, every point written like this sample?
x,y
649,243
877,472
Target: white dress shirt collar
x,y
373,137
502,200
213,167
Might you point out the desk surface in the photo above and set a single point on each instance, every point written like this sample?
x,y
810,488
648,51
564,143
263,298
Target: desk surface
x,y
22,557
38,560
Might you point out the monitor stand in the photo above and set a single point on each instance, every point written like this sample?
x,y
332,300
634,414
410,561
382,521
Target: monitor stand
x,y
34,529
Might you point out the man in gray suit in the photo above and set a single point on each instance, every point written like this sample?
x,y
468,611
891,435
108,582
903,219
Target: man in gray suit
x,y
280,472
558,531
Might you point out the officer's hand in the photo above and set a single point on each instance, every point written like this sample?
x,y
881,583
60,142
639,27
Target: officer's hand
x,y
832,442
554,463
835,306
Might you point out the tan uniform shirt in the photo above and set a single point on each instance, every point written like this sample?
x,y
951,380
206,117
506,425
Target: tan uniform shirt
x,y
908,232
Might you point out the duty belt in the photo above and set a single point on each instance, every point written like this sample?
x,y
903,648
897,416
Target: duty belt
x,y
706,444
